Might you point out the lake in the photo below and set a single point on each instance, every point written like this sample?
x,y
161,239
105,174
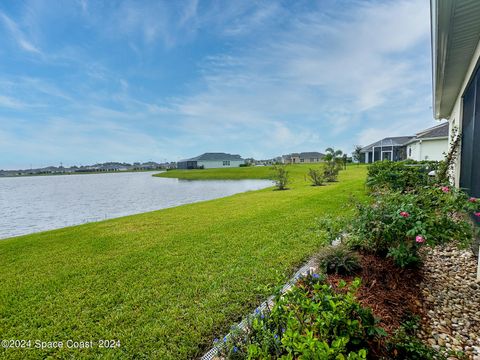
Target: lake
x,y
38,203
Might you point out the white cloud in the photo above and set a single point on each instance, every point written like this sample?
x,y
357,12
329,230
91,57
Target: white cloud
x,y
18,35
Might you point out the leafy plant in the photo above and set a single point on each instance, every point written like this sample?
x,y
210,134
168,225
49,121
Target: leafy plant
x,y
445,170
311,321
398,176
330,171
404,344
397,223
315,177
404,255
281,177
338,260
331,227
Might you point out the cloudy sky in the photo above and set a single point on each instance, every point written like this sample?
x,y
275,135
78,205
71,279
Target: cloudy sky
x,y
91,81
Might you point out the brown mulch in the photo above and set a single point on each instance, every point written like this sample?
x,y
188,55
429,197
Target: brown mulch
x,y
392,293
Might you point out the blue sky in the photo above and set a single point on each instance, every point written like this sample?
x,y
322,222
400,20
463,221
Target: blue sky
x,y
91,81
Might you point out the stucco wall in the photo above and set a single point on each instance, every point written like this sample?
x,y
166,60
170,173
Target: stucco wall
x,y
219,164
428,149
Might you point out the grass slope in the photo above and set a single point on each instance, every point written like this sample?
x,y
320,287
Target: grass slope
x,y
164,283
251,172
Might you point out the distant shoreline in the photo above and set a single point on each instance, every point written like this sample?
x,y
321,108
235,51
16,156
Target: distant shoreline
x,y
81,173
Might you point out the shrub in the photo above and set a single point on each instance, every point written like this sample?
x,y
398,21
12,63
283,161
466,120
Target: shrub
x,y
281,177
338,260
331,228
315,176
398,176
330,171
398,223
311,321
404,344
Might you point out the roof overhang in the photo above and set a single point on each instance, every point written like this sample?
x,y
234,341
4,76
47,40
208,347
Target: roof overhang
x,y
427,139
455,36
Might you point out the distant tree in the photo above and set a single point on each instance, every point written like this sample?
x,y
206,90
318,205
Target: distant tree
x,y
332,155
281,177
357,154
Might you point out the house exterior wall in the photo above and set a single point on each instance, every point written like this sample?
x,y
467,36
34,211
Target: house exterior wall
x,y
208,164
428,149
301,160
455,117
309,160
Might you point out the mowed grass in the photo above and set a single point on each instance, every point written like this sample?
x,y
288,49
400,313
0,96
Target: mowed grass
x,y
239,173
164,283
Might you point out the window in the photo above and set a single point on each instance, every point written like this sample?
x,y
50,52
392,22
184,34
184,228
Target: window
x,y
302,160
410,151
226,163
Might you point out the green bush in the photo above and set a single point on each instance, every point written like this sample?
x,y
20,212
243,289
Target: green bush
x,y
338,260
399,176
331,170
281,177
404,344
316,177
397,223
311,321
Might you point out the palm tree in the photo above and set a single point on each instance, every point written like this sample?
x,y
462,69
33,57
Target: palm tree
x,y
357,154
332,155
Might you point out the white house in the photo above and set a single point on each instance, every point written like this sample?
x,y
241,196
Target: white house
x,y
429,144
456,81
211,161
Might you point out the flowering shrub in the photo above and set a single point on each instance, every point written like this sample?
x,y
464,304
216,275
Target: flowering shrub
x,y
396,224
311,321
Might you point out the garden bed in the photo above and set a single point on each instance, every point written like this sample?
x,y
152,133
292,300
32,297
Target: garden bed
x,y
392,293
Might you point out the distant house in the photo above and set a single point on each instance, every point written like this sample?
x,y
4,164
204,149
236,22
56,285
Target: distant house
x,y
390,148
456,82
303,158
211,161
430,144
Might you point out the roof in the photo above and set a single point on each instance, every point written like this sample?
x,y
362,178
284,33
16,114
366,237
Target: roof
x,y
389,141
439,131
455,36
305,155
214,157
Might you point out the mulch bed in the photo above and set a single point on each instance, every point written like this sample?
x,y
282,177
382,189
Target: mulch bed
x,y
392,293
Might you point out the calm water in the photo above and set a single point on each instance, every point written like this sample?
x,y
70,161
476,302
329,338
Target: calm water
x,y
31,204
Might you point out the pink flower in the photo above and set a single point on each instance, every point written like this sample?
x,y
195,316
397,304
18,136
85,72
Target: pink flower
x,y
477,214
472,200
404,214
445,189
420,239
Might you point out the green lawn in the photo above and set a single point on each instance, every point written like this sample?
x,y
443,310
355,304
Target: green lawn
x,y
164,283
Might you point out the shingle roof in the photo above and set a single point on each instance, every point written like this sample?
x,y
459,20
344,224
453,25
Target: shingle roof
x,y
434,132
214,157
389,141
305,155
312,154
